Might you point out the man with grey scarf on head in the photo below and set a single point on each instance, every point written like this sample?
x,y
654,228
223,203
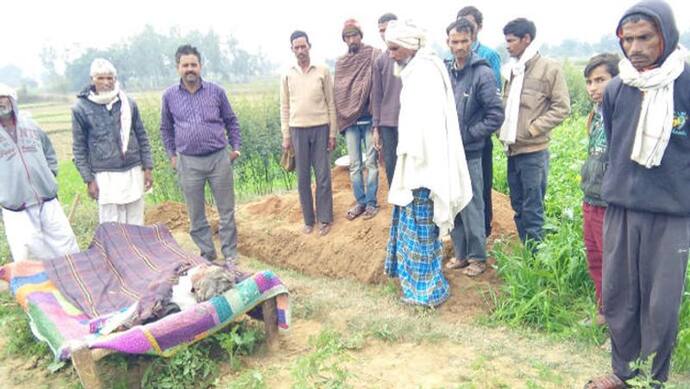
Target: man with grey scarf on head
x,y
111,148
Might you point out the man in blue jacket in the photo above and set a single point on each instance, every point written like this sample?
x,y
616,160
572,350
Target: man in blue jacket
x,y
35,225
646,185
480,114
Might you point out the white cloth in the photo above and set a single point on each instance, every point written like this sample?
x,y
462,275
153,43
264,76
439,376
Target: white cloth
x,y
102,66
120,187
405,34
109,99
182,293
514,70
132,213
430,152
656,114
39,232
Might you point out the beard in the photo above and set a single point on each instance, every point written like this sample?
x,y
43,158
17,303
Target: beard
x,y
5,111
352,49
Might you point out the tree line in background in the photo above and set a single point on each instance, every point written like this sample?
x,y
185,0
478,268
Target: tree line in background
x,y
146,61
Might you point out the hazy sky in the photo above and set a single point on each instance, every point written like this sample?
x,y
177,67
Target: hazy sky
x,y
28,25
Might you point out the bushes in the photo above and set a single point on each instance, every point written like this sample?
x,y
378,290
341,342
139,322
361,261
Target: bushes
x,y
552,291
257,171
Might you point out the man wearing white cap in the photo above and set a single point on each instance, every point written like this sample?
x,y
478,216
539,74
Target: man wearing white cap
x,y
111,148
431,183
35,225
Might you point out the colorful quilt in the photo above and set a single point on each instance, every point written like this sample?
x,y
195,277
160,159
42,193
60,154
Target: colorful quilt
x,y
58,321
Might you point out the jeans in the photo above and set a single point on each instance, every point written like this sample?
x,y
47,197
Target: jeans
x,y
468,233
527,174
389,136
354,136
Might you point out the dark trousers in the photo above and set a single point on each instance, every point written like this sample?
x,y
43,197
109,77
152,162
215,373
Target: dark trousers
x,y
593,234
216,169
527,175
645,261
389,136
488,177
469,241
310,146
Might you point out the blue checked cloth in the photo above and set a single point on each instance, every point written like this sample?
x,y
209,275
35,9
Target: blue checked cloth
x,y
414,252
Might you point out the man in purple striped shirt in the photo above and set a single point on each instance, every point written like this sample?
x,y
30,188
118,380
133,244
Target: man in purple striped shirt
x,y
197,126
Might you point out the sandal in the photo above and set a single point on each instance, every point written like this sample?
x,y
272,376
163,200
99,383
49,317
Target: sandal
x,y
324,229
307,229
455,263
354,212
370,212
475,268
609,381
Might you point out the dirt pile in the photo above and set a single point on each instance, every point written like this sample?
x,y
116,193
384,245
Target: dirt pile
x,y
270,229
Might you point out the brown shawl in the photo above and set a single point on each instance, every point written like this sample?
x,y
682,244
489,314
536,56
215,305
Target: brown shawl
x,y
353,74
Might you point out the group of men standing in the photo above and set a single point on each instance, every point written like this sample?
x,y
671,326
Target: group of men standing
x,y
434,125
112,153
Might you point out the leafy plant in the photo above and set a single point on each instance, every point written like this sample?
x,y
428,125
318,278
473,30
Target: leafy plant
x,y
323,367
192,367
241,339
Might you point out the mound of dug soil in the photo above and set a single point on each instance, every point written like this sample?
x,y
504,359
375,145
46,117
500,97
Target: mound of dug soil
x,y
270,229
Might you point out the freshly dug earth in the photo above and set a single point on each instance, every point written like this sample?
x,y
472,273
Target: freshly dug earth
x,y
270,229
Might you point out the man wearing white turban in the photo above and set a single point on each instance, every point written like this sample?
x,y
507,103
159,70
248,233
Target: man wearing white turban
x,y
111,148
431,183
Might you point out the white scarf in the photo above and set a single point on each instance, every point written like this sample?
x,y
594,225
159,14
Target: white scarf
x,y
430,152
656,114
514,70
109,99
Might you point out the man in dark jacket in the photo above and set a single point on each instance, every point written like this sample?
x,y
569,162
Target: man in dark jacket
x,y
111,148
480,113
647,223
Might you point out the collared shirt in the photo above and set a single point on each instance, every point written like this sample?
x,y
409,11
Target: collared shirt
x,y
492,57
198,123
385,92
306,99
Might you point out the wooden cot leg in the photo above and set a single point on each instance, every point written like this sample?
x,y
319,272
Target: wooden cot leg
x,y
85,365
270,313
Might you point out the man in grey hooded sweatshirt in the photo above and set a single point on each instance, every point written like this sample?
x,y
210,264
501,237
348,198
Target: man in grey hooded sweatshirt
x,y
646,185
35,225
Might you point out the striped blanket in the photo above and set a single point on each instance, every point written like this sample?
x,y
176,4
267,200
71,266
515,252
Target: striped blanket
x,y
57,320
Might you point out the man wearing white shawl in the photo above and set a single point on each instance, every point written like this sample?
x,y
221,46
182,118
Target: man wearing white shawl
x,y
431,183
536,101
111,148
646,186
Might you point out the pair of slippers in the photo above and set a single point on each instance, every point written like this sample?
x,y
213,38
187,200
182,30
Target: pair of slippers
x,y
472,267
368,212
324,229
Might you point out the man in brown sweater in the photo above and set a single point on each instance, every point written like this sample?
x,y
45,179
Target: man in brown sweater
x,y
308,124
536,101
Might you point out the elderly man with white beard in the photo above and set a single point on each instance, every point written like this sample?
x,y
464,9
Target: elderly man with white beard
x,y
431,183
111,148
